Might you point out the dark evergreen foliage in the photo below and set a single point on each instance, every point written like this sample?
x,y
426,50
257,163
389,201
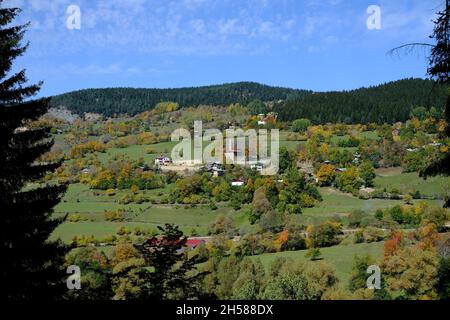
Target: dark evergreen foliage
x,y
168,276
30,263
439,71
387,103
131,101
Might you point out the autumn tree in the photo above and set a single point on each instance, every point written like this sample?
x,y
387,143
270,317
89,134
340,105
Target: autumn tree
x,y
324,235
393,244
412,272
349,180
261,204
326,175
128,273
250,281
223,225
359,276
95,274
298,281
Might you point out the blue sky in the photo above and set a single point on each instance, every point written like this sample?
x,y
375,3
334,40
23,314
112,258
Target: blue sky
x,y
312,44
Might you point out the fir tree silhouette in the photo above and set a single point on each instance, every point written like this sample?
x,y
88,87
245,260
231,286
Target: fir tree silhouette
x,y
31,264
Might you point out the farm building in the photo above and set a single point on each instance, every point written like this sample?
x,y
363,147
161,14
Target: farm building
x,y
237,183
194,243
162,161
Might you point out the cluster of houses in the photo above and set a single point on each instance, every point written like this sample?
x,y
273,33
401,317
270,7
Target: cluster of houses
x,y
257,166
216,169
163,161
308,168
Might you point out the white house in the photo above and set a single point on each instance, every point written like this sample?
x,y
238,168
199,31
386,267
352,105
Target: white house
x,y
237,183
262,122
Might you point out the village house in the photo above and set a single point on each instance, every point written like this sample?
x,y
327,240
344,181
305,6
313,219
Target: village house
x,y
257,166
162,161
237,183
263,119
215,168
194,243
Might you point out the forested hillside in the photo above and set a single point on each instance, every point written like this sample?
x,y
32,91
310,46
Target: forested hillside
x,y
112,101
388,102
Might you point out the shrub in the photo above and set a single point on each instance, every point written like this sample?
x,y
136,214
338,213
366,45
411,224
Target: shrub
x,y
74,218
379,214
355,218
396,214
324,235
358,236
126,199
114,216
416,194
371,234
123,231
84,241
306,201
213,206
110,192
314,254
272,221
379,194
300,125
111,239
349,180
395,194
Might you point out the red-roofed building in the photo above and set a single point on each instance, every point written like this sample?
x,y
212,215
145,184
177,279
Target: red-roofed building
x,y
194,243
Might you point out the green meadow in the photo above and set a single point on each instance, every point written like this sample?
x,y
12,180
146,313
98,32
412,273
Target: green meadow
x,y
341,256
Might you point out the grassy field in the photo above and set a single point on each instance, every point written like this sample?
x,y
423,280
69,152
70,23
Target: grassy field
x,y
341,204
340,256
91,206
407,182
79,199
136,152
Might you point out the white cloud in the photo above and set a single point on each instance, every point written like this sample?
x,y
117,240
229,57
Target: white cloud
x,y
209,27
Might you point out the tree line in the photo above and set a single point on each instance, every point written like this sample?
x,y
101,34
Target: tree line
x,y
111,101
386,103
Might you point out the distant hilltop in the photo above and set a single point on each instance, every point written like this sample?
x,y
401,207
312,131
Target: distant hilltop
x,y
389,102
110,101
